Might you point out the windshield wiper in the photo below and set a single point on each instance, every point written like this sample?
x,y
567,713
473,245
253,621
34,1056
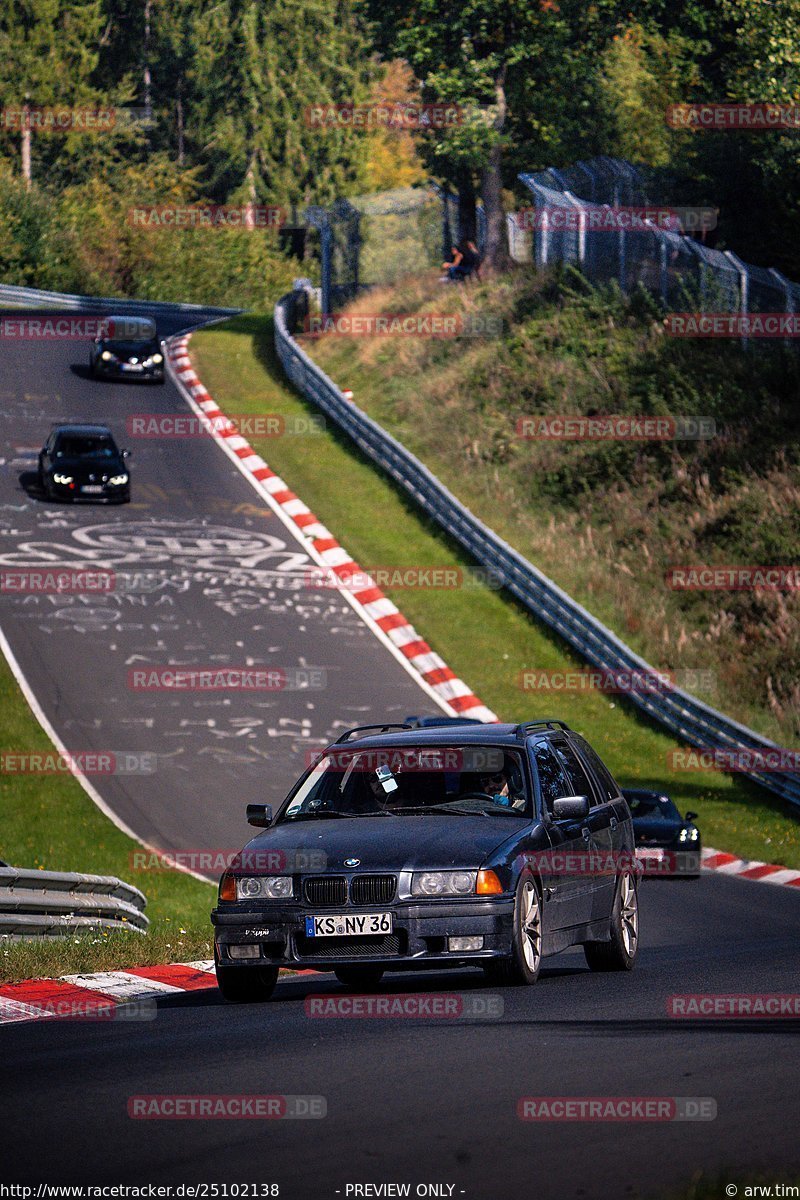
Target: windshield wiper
x,y
317,816
445,808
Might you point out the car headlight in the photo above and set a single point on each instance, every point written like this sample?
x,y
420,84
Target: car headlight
x,y
118,480
157,358
62,478
443,883
689,835
107,356
264,887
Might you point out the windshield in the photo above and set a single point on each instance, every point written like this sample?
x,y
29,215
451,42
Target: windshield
x,y
655,808
412,781
85,446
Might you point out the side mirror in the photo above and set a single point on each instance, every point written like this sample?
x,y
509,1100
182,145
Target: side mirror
x,y
126,453
259,815
571,808
691,816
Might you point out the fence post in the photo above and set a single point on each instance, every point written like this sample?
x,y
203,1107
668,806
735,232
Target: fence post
x,y
663,258
581,226
744,298
788,298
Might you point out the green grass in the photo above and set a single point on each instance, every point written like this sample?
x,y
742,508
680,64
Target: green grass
x,y
607,519
49,822
483,635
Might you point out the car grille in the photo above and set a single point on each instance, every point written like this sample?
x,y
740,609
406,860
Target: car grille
x,y
326,891
372,889
387,946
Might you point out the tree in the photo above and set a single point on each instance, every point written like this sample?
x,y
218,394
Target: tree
x,y
257,70
475,56
48,52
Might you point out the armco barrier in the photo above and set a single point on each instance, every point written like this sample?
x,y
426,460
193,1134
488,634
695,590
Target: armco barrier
x,y
51,904
22,297
680,713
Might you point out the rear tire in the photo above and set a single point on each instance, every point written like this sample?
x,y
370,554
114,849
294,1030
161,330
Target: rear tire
x,y
246,985
619,952
363,978
522,968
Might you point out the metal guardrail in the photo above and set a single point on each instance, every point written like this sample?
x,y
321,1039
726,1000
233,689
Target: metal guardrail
x,y
22,297
679,712
52,904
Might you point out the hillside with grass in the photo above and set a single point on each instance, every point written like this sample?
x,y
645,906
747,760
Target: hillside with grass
x,y
607,520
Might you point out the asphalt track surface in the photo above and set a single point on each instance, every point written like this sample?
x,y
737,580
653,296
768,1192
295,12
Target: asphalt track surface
x,y
420,1101
205,575
409,1101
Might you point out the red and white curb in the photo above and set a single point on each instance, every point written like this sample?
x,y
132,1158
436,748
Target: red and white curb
x,y
96,996
743,868
379,612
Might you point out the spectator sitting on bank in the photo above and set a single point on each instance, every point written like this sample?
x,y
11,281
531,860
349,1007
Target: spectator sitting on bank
x,y
466,262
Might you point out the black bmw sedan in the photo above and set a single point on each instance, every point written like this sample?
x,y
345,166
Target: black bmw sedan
x,y
458,845
667,844
83,462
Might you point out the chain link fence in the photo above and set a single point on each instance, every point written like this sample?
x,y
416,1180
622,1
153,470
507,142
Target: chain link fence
x,y
576,219
376,240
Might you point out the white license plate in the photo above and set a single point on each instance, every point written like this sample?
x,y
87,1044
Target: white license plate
x,y
650,854
348,924
93,489
132,367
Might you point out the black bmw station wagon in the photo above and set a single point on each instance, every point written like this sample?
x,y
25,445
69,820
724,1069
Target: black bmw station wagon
x,y
406,847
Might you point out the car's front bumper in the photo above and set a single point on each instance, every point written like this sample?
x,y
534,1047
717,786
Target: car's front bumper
x,y
118,371
419,935
109,495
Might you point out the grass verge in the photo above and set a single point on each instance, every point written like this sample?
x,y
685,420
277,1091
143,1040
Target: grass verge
x,y
482,634
49,822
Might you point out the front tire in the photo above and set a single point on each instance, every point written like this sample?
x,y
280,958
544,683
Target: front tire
x,y
246,985
361,978
619,952
522,968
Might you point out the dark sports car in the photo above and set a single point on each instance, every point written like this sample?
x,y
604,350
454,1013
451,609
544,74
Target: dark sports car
x,y
130,351
83,462
458,845
666,843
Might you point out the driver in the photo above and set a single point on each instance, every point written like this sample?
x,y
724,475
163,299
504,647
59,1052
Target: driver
x,y
503,789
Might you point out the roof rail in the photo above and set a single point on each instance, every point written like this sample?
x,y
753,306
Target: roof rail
x,y
526,727
348,733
